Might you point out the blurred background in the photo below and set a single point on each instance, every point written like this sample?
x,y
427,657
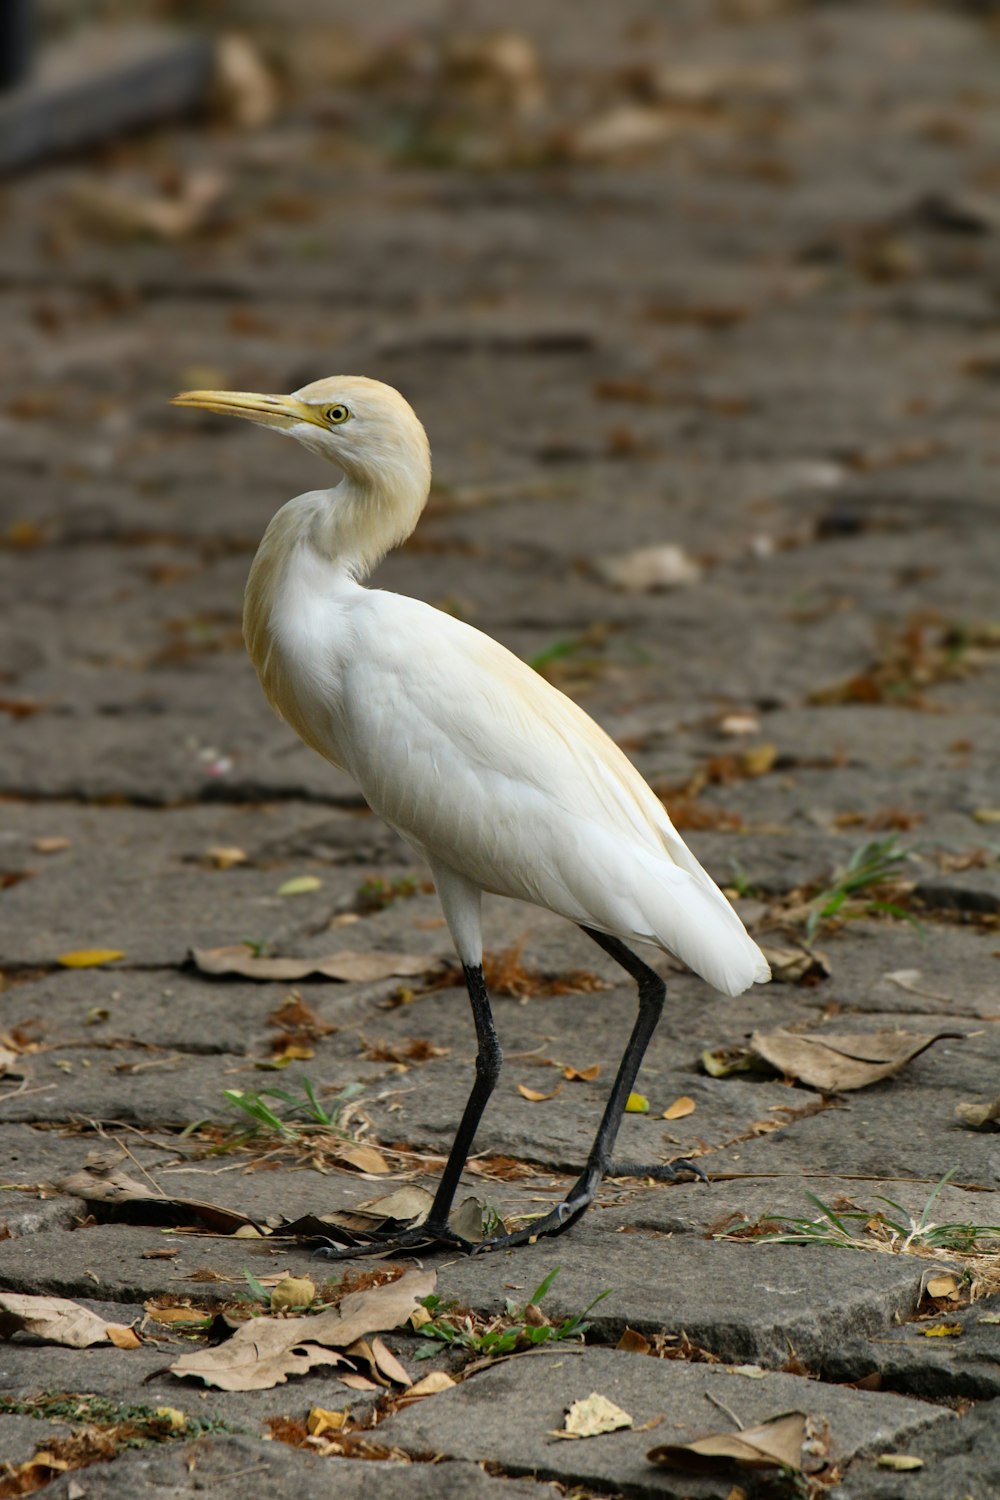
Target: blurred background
x,y
698,300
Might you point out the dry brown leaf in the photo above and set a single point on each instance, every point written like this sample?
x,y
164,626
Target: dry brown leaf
x,y
97,1183
942,1331
58,1320
358,1382
362,1158
321,1420
648,569
387,1362
226,856
165,216
243,90
944,1285
535,1096
796,965
292,1291
979,1116
593,1416
51,844
776,1443
633,1342
346,966
840,1062
264,1351
680,1107
623,130
431,1385
123,1337
408,1205
582,1075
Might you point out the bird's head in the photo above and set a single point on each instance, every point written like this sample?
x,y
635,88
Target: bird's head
x,y
363,426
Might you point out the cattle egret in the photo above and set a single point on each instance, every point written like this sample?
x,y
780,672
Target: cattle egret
x,y
494,777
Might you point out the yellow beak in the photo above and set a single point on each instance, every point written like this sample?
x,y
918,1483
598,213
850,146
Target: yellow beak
x,y
269,411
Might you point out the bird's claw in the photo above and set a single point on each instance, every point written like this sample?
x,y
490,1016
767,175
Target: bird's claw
x,y
423,1237
668,1171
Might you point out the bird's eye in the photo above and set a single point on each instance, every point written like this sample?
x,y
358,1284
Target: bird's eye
x,y
335,414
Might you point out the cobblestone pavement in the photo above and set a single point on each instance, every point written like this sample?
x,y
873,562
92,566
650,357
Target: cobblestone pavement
x,y
716,276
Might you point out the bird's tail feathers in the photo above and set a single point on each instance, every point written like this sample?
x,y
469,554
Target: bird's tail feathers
x,y
690,917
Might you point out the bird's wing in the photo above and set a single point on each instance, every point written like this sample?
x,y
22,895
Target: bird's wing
x,y
497,774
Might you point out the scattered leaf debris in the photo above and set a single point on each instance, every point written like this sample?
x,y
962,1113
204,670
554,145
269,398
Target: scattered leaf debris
x,y
347,965
593,1416
838,1063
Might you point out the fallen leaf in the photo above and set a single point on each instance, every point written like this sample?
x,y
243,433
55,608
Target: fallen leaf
x,y
989,1318
387,1362
346,965
987,814
901,1462
776,1443
467,1219
594,1416
582,1075
942,1331
123,1337
623,130
633,1342
535,1096
637,1104
57,1320
264,1351
52,845
138,1203
839,1062
734,725
321,1420
171,1315
226,856
89,958
294,1052
945,1285
362,1158
431,1385
243,89
167,215
680,1107
292,1291
796,965
650,568
300,885
979,1116
723,1061
358,1382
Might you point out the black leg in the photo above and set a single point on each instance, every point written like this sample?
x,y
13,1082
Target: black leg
x,y
652,991
435,1229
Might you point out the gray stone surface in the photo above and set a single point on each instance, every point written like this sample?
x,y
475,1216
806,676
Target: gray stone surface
x,y
770,339
510,1413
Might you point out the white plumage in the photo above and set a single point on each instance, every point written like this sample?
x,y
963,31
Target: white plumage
x,y
490,773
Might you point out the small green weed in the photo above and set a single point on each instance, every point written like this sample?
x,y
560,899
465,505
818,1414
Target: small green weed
x,y
853,890
302,1114
517,1328
866,1229
375,894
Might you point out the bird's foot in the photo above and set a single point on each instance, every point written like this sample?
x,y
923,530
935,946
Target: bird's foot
x,y
421,1237
666,1171
556,1221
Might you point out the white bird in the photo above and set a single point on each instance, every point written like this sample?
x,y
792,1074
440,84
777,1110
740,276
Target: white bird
x,y
495,778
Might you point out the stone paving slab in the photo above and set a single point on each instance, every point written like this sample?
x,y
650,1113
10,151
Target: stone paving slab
x,y
179,1472
526,1400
